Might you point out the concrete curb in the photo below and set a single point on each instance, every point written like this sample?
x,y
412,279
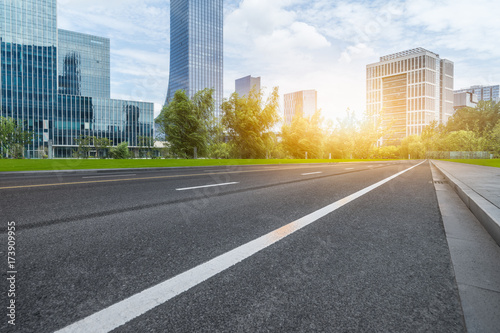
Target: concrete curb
x,y
487,213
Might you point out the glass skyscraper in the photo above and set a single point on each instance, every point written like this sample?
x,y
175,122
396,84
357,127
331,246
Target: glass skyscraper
x,y
55,83
196,47
84,64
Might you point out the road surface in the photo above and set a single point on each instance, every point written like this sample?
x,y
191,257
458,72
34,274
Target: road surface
x,y
277,248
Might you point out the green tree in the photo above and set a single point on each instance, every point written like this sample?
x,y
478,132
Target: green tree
x,y
121,151
102,146
494,139
84,143
480,119
146,145
464,141
217,145
413,147
249,122
184,122
13,138
304,135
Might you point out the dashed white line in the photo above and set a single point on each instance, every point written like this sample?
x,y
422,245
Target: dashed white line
x,y
204,186
124,311
104,176
311,173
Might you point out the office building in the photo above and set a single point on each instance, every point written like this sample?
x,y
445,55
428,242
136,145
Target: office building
x,y
56,83
484,93
303,103
84,64
244,85
406,91
196,47
464,99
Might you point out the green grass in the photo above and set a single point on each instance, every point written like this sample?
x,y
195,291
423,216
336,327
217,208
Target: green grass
x,y
80,164
492,163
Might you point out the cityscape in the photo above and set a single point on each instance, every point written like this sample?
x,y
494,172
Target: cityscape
x,y
79,64
249,166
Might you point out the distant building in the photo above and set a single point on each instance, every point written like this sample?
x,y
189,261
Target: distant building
x,y
244,85
408,90
464,99
484,93
303,102
196,47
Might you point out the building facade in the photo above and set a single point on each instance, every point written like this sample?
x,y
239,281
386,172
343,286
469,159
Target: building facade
x,y
484,93
303,102
244,85
196,48
84,64
50,86
464,99
407,91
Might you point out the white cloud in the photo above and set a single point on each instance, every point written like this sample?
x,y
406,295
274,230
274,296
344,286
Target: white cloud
x,y
458,24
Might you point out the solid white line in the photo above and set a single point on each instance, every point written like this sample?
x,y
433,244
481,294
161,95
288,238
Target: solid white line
x,y
132,174
350,169
197,187
122,312
311,173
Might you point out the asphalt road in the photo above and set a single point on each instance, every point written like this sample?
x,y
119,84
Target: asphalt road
x,y
89,240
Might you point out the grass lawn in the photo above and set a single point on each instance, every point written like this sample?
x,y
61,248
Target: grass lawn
x,y
79,164
491,163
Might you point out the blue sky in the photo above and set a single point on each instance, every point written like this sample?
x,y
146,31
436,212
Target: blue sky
x,y
296,44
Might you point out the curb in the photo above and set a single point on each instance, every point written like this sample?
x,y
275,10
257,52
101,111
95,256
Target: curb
x,y
487,213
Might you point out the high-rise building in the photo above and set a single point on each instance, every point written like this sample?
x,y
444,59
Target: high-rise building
x,y
406,91
244,85
196,47
484,93
59,105
303,102
84,64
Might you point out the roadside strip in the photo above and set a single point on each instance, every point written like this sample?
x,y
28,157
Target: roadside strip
x,y
126,310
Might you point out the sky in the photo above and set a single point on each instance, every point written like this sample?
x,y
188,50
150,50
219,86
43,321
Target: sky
x,y
296,44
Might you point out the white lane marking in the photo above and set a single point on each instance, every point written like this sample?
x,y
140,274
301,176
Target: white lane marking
x,y
197,187
122,312
311,173
130,174
350,169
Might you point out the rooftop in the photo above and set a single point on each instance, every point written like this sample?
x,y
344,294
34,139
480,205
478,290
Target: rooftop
x,y
406,53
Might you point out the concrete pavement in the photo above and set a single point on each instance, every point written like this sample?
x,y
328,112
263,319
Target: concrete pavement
x,y
475,255
479,189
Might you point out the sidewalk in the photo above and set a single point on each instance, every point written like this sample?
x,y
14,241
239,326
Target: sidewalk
x,y
474,253
479,189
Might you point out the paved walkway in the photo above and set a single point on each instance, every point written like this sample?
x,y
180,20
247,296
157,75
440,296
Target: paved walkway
x,y
475,255
479,188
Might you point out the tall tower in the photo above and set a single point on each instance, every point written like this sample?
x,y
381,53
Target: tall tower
x,y
196,47
28,66
406,91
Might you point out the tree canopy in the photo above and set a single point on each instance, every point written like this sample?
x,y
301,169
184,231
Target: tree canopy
x,y
249,122
185,122
13,138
